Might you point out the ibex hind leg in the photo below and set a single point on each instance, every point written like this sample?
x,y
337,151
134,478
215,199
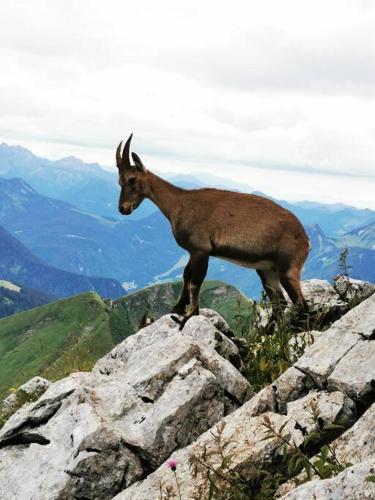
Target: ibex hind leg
x,y
271,284
291,281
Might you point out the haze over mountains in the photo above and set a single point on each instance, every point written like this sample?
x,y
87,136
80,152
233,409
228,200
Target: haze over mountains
x,y
94,189
64,215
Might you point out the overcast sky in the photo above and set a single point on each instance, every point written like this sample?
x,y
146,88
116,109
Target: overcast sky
x,y
277,94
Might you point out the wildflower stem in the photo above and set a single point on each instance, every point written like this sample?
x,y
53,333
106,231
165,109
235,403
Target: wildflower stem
x,y
296,449
216,472
178,485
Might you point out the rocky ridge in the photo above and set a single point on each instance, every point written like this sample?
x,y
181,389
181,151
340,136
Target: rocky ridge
x,y
163,394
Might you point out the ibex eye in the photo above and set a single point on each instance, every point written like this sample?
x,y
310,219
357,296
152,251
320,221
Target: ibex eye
x,y
131,181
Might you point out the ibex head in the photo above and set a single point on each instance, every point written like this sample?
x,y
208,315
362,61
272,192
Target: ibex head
x,y
131,179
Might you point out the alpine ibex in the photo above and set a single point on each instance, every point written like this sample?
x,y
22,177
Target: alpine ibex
x,y
246,229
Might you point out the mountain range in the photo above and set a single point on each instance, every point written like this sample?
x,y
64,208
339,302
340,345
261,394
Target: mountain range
x,y
19,266
79,242
138,253
94,189
87,185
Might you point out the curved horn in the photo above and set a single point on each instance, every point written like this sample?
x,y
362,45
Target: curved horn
x,y
125,154
118,155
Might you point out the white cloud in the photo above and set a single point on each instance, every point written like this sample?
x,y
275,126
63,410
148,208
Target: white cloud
x,y
280,94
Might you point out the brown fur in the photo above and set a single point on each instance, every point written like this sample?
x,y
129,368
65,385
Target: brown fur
x,y
249,230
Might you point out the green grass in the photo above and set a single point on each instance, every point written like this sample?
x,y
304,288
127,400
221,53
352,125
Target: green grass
x,y
71,334
35,342
157,300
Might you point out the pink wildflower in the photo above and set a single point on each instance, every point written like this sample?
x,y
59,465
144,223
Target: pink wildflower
x,y
172,464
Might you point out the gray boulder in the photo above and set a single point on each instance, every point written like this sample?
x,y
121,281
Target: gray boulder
x,y
291,385
322,357
26,393
301,341
324,303
355,373
290,401
241,434
163,394
93,434
351,484
322,298
358,443
351,290
333,407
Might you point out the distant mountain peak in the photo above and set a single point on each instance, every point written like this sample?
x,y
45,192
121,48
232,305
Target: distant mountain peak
x,y
15,147
315,228
16,183
71,158
76,163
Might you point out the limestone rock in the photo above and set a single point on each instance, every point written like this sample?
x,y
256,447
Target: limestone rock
x,y
243,434
301,341
103,466
287,401
9,405
324,302
291,385
333,408
91,435
242,431
357,444
323,298
349,484
217,320
40,448
321,358
27,392
35,387
359,320
355,373
167,394
351,290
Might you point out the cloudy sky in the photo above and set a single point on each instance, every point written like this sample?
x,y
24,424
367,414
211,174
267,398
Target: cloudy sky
x,y
277,94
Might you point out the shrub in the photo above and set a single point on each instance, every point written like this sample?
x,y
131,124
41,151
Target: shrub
x,y
267,349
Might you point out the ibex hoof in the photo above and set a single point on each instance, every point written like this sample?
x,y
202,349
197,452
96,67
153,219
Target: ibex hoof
x,y
181,321
176,319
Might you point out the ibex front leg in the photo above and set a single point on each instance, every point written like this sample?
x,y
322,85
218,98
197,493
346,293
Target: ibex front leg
x,y
199,264
184,299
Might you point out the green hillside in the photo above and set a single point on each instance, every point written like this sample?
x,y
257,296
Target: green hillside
x,y
71,334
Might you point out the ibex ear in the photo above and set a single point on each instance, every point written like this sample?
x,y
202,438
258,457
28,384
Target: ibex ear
x,y
138,163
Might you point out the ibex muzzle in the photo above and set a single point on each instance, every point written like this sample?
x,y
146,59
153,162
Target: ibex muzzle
x,y
246,229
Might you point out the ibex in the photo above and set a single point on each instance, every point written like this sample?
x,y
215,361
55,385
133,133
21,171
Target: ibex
x,y
246,229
